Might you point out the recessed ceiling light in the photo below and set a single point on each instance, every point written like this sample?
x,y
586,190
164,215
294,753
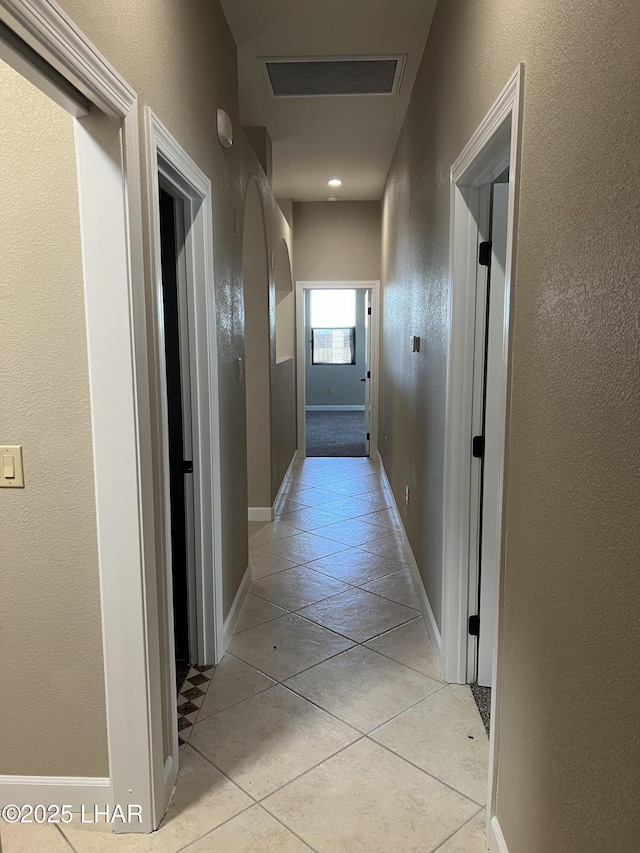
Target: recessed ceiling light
x,y
335,182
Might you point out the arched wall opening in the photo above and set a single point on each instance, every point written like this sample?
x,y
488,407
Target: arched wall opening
x,y
283,420
285,302
255,272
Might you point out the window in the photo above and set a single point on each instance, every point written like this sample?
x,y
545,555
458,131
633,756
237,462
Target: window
x,y
333,332
333,346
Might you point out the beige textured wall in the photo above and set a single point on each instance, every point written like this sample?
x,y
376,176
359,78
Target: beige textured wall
x,y
285,303
283,416
569,738
337,240
283,421
181,60
52,702
255,273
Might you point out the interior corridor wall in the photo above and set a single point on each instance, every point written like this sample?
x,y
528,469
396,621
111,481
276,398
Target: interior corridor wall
x,y
255,274
568,757
51,668
181,60
337,240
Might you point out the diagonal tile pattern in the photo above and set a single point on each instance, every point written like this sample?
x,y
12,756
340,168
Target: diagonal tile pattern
x,y
191,695
327,725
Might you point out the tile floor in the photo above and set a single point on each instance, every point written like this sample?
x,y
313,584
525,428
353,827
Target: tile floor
x,y
327,725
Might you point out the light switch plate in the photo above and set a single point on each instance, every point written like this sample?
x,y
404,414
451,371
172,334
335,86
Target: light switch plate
x,y
11,470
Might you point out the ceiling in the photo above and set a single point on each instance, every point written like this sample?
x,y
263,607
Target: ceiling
x,y
318,138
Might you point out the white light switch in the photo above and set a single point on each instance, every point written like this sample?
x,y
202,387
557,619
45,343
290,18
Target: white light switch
x,y
12,475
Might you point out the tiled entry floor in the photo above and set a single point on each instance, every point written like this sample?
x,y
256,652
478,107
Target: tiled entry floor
x,y
327,726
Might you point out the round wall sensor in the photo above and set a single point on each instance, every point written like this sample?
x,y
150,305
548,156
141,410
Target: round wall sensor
x,y
224,128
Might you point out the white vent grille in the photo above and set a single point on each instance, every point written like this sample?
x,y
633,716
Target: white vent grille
x,y
322,77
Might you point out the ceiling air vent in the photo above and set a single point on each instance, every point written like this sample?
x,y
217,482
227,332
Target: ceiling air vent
x,y
318,77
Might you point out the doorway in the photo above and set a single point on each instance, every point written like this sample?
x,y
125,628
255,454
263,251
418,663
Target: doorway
x,y
490,284
178,390
337,329
484,182
187,379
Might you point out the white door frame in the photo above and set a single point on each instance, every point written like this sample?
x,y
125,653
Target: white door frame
x,y
495,144
108,158
167,158
301,361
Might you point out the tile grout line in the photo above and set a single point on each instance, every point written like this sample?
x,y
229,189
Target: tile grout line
x,y
360,548
308,770
282,682
456,831
288,828
426,772
387,533
226,775
289,782
210,831
59,828
351,725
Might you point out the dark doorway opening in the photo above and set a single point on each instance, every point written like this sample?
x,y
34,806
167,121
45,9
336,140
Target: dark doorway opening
x,y
179,467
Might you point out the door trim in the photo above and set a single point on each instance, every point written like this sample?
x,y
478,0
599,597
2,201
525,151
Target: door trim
x,y
495,144
301,359
167,158
108,155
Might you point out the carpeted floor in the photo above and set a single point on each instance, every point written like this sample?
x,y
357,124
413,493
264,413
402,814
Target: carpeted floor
x,y
335,434
482,695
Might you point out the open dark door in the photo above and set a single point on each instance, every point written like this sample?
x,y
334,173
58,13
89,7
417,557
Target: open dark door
x,y
177,465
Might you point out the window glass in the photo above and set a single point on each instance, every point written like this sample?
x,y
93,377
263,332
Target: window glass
x,y
333,309
333,346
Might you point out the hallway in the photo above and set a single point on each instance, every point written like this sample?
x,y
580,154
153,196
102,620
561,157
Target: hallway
x,y
327,725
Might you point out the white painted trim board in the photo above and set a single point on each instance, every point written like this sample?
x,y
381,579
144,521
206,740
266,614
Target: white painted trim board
x,y
334,408
234,613
267,513
427,610
497,843
75,791
166,155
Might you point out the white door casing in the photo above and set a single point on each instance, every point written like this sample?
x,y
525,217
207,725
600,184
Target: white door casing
x,y
368,419
495,145
167,160
493,463
372,352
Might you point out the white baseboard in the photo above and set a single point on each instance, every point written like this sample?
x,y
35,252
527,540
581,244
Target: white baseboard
x,y
236,607
497,844
286,476
427,611
268,513
334,408
260,513
75,791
